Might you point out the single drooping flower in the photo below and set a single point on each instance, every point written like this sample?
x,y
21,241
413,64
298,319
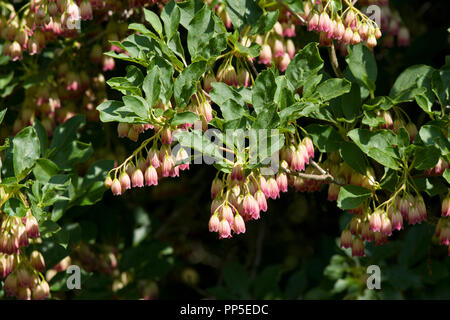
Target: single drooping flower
x,y
375,221
137,178
446,207
214,223
216,187
116,187
358,247
346,239
238,224
224,229
265,55
37,261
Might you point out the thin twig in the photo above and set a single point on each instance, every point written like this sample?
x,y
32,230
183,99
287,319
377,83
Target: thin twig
x,y
334,61
295,14
324,176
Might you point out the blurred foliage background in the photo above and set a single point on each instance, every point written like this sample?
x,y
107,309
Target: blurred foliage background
x,y
154,242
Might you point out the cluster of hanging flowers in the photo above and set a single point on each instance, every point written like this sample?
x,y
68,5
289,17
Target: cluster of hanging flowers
x,y
348,27
22,273
147,165
442,232
239,197
377,226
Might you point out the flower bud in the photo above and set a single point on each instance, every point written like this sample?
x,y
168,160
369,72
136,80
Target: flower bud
x,y
32,226
224,229
290,48
357,247
167,165
250,207
243,77
283,62
346,239
166,136
227,213
228,76
339,30
86,10
265,55
216,187
412,130
278,48
214,223
238,172
125,181
324,22
137,178
10,286
238,224
356,38
116,187
348,36
37,261
41,291
273,188
207,82
397,220
108,182
261,200
313,22
371,41
333,192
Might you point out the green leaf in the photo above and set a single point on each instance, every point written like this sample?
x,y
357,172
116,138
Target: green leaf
x,y
446,175
15,208
42,135
203,41
325,138
152,86
92,187
431,185
170,16
263,92
377,145
184,117
362,65
307,62
333,88
353,156
412,83
222,92
432,135
351,196
26,149
351,103
198,141
265,23
48,227
65,133
186,83
372,120
137,105
73,152
267,118
426,157
153,19
116,111
243,12
45,169
5,80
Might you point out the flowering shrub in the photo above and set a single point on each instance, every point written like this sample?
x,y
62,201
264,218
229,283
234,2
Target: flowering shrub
x,y
233,84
